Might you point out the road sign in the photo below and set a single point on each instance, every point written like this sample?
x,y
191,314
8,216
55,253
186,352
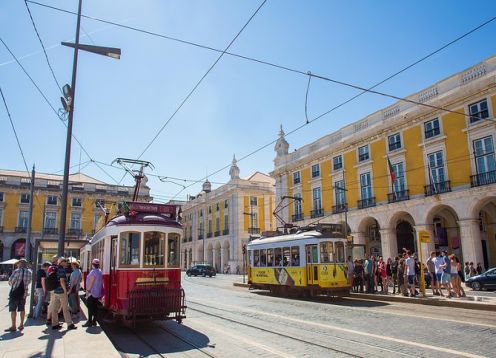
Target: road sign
x,y
424,237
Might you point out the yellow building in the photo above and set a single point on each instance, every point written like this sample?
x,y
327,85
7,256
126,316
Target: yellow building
x,y
217,223
406,168
86,198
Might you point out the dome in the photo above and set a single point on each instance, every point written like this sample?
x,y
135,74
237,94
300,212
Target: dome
x,y
207,187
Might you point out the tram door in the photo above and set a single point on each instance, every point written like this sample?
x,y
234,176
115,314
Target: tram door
x,y
113,264
312,255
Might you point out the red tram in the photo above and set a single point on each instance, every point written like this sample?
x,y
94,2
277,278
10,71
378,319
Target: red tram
x,y
139,256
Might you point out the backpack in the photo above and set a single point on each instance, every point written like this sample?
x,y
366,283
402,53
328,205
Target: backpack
x,y
18,292
52,280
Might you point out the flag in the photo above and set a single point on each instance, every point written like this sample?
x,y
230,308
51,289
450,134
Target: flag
x,y
391,171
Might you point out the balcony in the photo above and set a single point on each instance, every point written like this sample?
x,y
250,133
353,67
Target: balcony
x,y
316,213
253,230
225,232
437,188
74,232
297,217
483,179
209,235
217,233
366,203
200,237
50,231
398,196
340,208
21,229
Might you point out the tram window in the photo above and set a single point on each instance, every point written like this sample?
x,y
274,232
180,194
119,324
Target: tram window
x,y
154,246
256,256
129,248
263,258
326,252
250,257
295,256
278,257
339,251
270,257
173,250
286,256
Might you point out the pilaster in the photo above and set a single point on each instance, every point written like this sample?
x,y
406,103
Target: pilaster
x,y
471,241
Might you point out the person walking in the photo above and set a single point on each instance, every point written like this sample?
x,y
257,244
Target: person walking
x,y
383,276
410,272
350,270
74,286
53,268
479,269
59,296
94,291
19,282
40,289
446,277
473,271
431,268
358,277
401,278
394,271
369,274
454,275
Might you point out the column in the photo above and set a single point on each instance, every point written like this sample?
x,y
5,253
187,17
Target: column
x,y
471,242
214,258
389,245
222,258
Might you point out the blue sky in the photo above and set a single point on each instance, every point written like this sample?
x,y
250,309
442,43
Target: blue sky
x,y
120,105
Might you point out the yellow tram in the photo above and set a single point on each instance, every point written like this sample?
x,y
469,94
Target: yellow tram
x,y
310,261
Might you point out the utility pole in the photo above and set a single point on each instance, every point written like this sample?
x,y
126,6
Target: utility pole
x,y
27,251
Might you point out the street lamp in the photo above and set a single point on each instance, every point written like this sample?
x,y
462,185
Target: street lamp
x,y
69,94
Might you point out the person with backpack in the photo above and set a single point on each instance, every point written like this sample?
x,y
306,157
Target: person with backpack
x,y
59,297
19,283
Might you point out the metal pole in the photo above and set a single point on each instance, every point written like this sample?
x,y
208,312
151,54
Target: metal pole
x,y
33,282
27,252
65,185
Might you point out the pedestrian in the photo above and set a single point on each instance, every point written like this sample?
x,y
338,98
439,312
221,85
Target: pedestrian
x,y
401,277
479,269
19,283
466,271
394,271
454,275
446,276
383,275
369,274
431,268
473,271
461,278
94,291
59,297
358,277
53,268
410,272
350,270
74,286
40,289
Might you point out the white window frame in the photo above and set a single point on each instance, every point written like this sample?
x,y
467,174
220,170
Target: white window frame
x,y
485,155
314,208
71,221
297,174
399,135
54,219
317,171
342,193
297,204
429,168
19,218
367,146
368,186
52,197
393,185
24,194
477,103
438,119
341,161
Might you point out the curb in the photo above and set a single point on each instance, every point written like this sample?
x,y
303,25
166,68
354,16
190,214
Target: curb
x,y
418,301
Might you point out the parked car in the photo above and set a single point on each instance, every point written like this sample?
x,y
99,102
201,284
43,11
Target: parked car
x,y
201,269
485,280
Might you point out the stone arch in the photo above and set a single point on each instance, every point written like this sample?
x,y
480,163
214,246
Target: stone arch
x,y
369,228
209,254
217,263
18,249
402,225
445,228
485,211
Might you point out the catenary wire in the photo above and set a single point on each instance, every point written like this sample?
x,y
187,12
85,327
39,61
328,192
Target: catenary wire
x,y
364,90
14,130
190,93
53,109
43,47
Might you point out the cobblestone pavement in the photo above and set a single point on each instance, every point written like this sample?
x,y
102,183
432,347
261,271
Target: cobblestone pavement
x,y
227,321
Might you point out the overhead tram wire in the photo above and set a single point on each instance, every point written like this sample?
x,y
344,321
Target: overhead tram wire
x,y
43,47
15,132
198,83
53,109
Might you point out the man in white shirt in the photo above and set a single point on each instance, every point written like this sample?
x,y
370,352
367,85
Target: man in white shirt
x,y
438,267
410,272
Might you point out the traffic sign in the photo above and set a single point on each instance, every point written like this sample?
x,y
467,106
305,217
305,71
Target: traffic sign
x,y
424,237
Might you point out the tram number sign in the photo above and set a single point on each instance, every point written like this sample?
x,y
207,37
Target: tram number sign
x,y
166,210
424,237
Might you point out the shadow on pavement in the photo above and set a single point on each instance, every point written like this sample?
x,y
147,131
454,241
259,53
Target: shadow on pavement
x,y
149,338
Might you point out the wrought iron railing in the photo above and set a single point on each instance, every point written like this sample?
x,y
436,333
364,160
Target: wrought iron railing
x,y
253,230
339,208
366,203
225,232
50,231
297,217
20,229
398,196
316,213
437,188
74,232
483,178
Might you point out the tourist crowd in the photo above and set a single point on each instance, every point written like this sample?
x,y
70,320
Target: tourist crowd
x,y
401,274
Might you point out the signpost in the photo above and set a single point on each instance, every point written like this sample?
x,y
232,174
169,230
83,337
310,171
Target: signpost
x,y
423,237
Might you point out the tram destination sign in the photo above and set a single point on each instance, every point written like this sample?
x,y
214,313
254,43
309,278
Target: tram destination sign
x,y
162,209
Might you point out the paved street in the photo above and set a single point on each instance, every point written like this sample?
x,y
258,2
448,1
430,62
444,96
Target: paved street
x,y
226,321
